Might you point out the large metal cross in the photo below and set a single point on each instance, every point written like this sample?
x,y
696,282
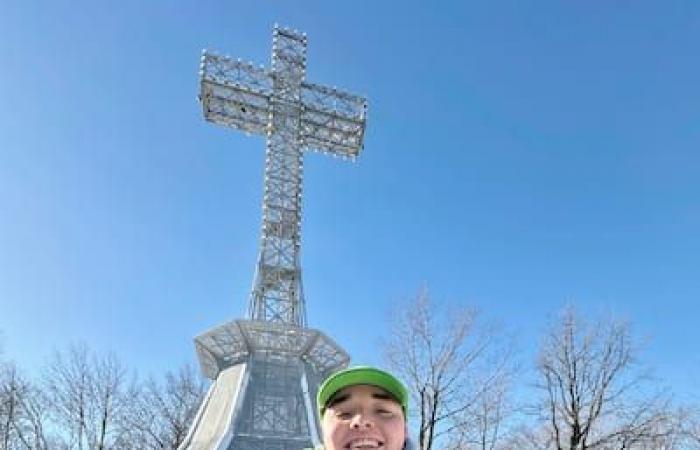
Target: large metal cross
x,y
294,115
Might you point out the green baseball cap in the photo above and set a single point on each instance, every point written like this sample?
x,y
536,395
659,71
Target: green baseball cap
x,y
361,375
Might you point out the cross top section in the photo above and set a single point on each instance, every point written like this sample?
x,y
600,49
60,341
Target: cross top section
x,y
294,115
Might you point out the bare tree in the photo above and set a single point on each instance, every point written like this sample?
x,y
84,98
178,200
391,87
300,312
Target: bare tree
x,y
86,394
12,392
163,412
594,396
22,416
456,371
67,381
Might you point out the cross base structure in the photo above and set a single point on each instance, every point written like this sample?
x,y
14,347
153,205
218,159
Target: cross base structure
x,y
266,376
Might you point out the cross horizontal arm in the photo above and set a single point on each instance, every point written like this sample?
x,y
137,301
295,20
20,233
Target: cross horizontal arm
x,y
332,120
235,93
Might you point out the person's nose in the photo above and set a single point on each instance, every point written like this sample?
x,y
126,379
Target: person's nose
x,y
361,421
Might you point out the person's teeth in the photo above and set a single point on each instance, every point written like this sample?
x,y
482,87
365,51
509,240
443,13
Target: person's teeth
x,y
365,443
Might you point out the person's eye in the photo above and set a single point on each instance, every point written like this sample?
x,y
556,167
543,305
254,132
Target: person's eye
x,y
344,415
385,413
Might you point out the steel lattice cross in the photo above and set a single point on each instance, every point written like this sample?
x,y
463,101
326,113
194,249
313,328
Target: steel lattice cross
x,y
294,115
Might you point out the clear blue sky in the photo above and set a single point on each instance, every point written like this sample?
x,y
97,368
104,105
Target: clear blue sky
x,y
519,156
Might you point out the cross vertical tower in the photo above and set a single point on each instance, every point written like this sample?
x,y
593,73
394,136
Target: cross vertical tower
x,y
277,295
266,368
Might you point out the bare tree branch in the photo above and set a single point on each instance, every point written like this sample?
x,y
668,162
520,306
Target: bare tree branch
x,y
87,397
22,418
457,373
163,412
593,392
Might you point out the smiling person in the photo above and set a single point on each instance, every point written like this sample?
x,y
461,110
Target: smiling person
x,y
363,408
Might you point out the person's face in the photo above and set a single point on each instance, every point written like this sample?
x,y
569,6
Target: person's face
x,y
363,417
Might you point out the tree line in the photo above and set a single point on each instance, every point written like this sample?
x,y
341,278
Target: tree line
x,y
83,400
587,389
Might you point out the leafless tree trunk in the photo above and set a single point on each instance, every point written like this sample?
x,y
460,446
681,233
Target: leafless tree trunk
x,y
456,371
108,396
67,383
593,394
11,392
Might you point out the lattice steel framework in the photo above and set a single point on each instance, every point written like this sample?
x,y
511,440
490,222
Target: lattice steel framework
x,y
294,115
281,361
